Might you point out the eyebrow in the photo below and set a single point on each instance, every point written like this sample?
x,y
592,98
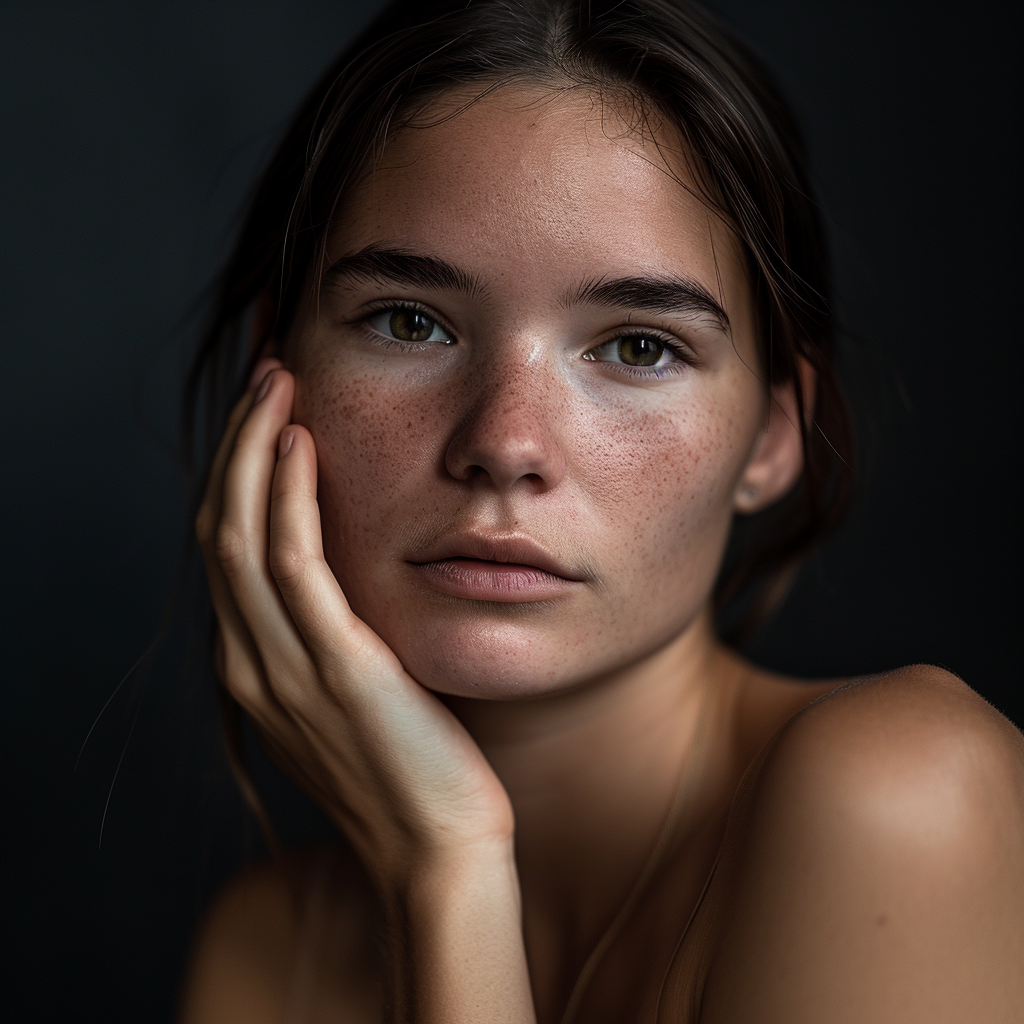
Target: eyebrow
x,y
660,295
400,266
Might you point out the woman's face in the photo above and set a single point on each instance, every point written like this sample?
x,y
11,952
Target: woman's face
x,y
532,380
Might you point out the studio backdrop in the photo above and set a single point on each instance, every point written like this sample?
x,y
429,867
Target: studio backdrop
x,y
131,132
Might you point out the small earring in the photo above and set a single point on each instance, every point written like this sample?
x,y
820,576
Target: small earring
x,y
749,492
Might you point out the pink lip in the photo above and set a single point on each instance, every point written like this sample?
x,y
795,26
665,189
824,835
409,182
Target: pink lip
x,y
496,568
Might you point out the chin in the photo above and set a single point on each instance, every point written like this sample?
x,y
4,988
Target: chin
x,y
516,657
489,660
513,651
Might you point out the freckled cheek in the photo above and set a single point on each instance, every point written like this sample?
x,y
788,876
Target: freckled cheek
x,y
371,443
663,485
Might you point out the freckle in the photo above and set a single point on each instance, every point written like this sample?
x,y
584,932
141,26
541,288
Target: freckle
x,y
882,920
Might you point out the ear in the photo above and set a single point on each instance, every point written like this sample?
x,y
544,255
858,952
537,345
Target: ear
x,y
777,459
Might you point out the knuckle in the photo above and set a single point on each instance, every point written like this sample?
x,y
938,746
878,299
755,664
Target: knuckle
x,y
229,546
289,564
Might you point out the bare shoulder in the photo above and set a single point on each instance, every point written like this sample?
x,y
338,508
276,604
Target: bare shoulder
x,y
920,726
874,867
284,938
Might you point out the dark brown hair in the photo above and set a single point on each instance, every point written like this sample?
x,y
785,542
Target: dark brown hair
x,y
669,58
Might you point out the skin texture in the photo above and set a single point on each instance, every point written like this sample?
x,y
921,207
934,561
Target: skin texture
x,y
501,769
630,481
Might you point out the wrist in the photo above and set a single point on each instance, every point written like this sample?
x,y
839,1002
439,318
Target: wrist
x,y
456,939
442,874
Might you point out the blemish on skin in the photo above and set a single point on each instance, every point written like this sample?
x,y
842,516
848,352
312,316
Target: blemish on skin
x,y
882,920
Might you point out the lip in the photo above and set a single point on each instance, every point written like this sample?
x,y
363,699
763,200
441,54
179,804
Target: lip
x,y
494,567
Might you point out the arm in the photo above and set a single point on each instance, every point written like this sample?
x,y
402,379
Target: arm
x,y
383,757
878,871
456,942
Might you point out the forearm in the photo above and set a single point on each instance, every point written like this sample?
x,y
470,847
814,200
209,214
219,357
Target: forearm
x,y
456,943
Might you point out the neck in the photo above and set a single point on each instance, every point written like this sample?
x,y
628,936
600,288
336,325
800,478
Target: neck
x,y
591,774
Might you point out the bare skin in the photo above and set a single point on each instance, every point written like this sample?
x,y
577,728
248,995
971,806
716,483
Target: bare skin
x,y
500,744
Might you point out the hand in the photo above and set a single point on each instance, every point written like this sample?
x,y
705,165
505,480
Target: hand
x,y
380,753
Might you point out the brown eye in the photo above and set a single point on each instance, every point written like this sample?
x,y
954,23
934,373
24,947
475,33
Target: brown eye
x,y
638,350
411,325
407,325
641,352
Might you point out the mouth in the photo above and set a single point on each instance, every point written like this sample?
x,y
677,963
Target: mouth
x,y
506,568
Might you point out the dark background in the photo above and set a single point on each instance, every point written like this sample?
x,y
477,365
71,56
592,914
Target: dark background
x,y
130,133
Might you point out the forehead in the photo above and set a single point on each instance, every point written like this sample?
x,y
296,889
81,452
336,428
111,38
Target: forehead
x,y
531,183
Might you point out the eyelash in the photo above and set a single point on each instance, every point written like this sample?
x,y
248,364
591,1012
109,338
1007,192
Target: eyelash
x,y
392,305
677,348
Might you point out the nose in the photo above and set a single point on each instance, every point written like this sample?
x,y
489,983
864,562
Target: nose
x,y
510,435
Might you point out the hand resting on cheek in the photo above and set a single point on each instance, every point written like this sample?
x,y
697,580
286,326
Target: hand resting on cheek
x,y
383,756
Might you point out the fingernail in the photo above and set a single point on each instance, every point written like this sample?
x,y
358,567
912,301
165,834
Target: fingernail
x,y
284,444
262,390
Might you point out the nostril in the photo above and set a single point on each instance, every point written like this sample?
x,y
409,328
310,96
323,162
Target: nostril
x,y
490,446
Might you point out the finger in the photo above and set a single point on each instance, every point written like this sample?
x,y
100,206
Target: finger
x,y
209,510
239,665
208,515
240,669
346,652
242,533
312,594
238,662
262,370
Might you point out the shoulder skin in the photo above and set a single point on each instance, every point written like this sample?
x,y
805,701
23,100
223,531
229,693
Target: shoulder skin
x,y
261,956
874,867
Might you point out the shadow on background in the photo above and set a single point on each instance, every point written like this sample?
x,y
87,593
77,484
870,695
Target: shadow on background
x,y
131,134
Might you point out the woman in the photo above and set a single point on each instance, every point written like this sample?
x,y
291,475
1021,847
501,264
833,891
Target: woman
x,y
538,308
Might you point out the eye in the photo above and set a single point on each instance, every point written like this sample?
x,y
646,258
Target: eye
x,y
409,325
640,350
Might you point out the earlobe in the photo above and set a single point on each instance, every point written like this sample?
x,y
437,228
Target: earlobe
x,y
777,459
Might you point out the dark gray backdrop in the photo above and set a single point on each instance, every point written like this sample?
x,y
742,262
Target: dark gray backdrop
x,y
130,134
